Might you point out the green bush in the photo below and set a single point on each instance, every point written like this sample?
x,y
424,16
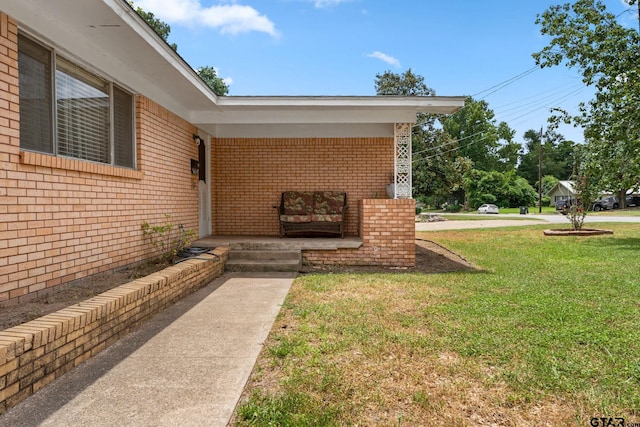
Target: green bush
x,y
452,208
167,239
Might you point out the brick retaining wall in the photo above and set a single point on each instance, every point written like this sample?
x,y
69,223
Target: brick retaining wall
x,y
35,353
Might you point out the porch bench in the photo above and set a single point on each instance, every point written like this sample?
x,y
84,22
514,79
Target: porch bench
x,y
312,212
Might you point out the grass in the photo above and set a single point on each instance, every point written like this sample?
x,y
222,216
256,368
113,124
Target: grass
x,y
618,212
547,331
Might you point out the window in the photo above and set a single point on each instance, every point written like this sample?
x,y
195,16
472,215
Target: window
x,y
91,118
36,111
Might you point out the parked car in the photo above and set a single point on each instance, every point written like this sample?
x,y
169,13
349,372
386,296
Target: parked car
x,y
564,204
609,202
631,201
488,208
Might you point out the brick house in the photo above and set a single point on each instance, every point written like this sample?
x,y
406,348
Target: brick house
x,y
80,175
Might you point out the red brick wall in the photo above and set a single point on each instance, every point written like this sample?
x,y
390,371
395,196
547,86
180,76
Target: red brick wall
x,y
64,219
387,229
250,174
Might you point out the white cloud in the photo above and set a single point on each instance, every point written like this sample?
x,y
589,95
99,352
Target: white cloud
x,y
226,18
385,58
319,4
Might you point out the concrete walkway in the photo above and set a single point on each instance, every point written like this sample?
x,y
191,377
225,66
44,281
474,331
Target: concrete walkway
x,y
185,367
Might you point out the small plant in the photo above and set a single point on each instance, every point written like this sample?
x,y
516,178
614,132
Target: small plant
x,y
167,239
575,215
585,195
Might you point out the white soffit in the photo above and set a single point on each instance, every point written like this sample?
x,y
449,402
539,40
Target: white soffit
x,y
355,130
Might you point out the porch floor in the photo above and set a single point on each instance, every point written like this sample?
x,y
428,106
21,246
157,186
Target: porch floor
x,y
280,243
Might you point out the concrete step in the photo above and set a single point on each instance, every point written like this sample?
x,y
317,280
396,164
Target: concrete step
x,y
264,255
264,260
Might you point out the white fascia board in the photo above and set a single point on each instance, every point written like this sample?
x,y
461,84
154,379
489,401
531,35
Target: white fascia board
x,y
436,104
137,24
372,109
304,116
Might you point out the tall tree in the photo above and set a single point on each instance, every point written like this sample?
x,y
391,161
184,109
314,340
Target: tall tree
x,y
488,144
585,36
207,74
557,156
436,171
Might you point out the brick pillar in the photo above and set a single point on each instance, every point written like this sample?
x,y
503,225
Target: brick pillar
x,y
387,229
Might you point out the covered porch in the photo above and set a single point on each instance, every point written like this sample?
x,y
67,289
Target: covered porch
x,y
261,147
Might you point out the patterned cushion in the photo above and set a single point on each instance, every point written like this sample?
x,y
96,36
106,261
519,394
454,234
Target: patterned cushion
x,y
327,218
329,202
298,203
295,218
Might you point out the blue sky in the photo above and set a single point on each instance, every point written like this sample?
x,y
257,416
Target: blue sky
x,y
336,47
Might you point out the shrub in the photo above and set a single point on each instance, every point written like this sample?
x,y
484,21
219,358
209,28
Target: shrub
x,y
454,207
167,239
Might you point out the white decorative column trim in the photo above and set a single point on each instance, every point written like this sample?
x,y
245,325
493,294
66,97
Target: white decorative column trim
x,y
402,176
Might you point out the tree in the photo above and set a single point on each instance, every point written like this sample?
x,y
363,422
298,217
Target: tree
x,y
161,28
548,182
504,189
558,156
489,145
207,74
407,84
587,37
436,170
210,77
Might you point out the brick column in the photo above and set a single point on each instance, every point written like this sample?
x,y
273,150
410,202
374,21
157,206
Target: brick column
x,y
387,229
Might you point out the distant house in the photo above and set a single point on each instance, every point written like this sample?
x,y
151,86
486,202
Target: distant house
x,y
563,190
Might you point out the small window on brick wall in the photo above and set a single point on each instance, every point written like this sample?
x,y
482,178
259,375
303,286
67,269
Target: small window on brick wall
x,y
91,118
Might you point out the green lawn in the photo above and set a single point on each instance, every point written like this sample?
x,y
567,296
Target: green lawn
x,y
546,332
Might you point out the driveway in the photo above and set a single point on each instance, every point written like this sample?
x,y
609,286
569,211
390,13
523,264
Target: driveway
x,y
515,220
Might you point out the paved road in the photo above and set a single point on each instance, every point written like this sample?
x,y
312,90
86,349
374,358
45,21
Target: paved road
x,y
514,220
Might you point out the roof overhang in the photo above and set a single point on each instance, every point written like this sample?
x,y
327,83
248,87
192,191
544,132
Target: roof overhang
x,y
109,38
317,115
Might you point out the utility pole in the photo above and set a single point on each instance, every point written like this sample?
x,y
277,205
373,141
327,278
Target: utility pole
x,y
540,173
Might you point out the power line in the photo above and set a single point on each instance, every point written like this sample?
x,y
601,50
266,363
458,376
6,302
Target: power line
x,y
507,82
542,103
523,108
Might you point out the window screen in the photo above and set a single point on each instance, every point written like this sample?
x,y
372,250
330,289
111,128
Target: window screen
x,y
36,110
123,128
82,107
